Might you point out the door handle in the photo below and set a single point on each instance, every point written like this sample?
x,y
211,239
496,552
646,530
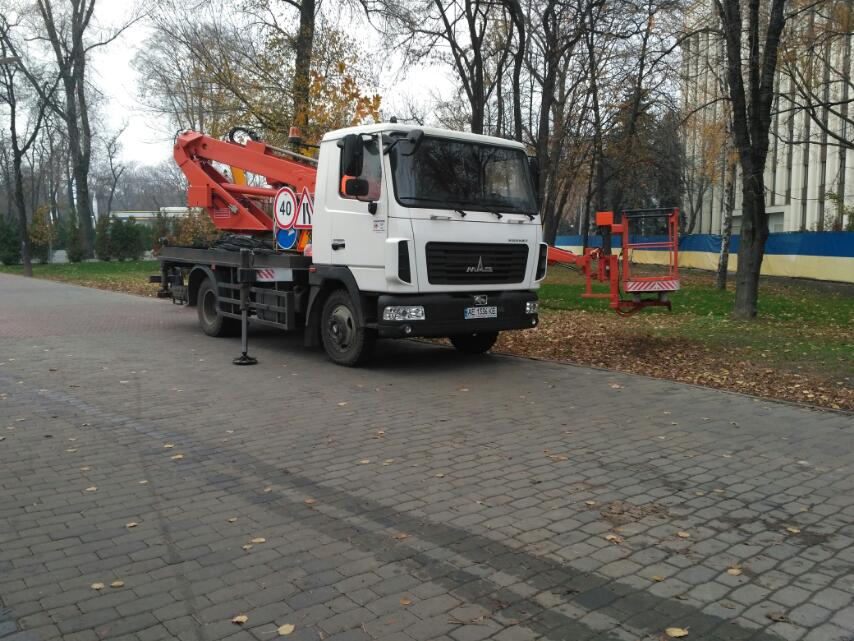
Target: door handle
x,y
338,244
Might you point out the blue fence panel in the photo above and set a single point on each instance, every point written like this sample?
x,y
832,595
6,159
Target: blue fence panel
x,y
839,243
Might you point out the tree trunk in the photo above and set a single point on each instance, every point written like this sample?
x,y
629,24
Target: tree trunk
x,y
726,232
23,228
518,61
751,249
302,64
551,222
84,203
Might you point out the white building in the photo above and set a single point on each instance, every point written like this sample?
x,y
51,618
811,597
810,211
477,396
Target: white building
x,y
806,162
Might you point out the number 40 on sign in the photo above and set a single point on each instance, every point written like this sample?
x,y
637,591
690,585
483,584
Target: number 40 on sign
x,y
292,212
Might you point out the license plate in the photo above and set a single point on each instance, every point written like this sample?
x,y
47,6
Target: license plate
x,y
481,312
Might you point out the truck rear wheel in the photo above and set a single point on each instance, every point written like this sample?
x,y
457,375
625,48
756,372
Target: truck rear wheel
x,y
346,340
477,343
212,322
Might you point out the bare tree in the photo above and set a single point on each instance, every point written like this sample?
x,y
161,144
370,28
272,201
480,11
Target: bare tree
x,y
817,61
68,33
25,121
751,121
112,147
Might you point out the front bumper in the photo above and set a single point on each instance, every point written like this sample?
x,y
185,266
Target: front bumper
x,y
445,316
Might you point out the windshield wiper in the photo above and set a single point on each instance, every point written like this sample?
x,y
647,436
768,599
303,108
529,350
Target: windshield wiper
x,y
521,213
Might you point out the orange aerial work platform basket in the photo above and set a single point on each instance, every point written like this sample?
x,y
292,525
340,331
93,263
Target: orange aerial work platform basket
x,y
601,264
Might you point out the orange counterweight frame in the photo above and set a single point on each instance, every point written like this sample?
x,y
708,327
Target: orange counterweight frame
x,y
231,205
600,264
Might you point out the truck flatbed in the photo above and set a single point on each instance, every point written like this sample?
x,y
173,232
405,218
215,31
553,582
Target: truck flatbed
x,y
227,258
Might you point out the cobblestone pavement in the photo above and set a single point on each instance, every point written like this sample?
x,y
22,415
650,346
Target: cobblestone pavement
x,y
431,496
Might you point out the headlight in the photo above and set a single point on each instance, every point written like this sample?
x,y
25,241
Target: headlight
x,y
532,307
404,313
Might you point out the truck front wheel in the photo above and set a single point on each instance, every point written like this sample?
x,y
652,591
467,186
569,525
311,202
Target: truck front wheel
x,y
346,340
477,343
212,322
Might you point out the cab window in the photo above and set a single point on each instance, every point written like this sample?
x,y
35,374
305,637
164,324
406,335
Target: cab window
x,y
371,172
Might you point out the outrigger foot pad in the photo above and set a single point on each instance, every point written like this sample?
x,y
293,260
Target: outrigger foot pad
x,y
245,359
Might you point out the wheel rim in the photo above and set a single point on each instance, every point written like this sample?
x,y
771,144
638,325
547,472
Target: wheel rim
x,y
342,327
209,307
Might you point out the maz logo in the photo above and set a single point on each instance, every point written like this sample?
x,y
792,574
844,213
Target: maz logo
x,y
479,269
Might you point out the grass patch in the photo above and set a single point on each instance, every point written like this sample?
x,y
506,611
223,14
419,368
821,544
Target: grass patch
x,y
797,302
129,276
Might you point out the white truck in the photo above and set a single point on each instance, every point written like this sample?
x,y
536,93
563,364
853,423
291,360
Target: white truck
x,y
399,231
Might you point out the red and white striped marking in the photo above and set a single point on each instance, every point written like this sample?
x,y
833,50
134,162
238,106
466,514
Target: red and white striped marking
x,y
652,285
265,275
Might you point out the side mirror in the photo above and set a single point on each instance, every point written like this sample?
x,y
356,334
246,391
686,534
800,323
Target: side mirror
x,y
352,153
413,139
534,171
356,187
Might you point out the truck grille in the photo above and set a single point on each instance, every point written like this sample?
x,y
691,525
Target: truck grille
x,y
475,263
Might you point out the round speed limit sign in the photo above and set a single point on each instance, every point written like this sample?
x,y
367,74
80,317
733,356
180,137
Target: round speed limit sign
x,y
285,208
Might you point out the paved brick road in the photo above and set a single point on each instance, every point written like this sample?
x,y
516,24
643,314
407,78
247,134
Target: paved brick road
x,y
429,497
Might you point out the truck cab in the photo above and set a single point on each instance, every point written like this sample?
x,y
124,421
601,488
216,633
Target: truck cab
x,y
439,230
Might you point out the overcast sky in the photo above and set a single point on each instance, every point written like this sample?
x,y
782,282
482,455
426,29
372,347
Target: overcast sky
x,y
148,139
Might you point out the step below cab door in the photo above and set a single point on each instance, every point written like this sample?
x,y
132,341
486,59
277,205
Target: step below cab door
x,y
359,225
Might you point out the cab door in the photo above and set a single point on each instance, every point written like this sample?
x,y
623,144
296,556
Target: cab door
x,y
360,223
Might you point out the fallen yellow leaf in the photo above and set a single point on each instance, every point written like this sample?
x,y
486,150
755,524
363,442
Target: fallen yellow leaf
x,y
364,461
400,536
285,630
117,584
259,539
97,586
590,503
614,538
310,501
92,489
405,601
177,457
247,547
168,446
240,619
233,519
793,530
657,578
683,535
268,489
676,633
131,524
735,570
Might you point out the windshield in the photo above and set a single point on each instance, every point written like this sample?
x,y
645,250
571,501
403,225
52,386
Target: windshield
x,y
450,174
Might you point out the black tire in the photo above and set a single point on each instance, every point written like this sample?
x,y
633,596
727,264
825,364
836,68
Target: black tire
x,y
346,340
477,343
210,320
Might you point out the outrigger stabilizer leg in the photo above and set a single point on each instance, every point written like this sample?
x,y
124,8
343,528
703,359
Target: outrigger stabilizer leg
x,y
245,276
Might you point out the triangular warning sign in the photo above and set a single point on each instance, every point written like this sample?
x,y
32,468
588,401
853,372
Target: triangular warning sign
x,y
305,210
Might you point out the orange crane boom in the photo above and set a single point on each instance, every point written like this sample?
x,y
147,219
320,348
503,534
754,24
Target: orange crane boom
x,y
231,206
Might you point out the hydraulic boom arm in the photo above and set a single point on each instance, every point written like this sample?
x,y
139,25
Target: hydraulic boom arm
x,y
232,206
